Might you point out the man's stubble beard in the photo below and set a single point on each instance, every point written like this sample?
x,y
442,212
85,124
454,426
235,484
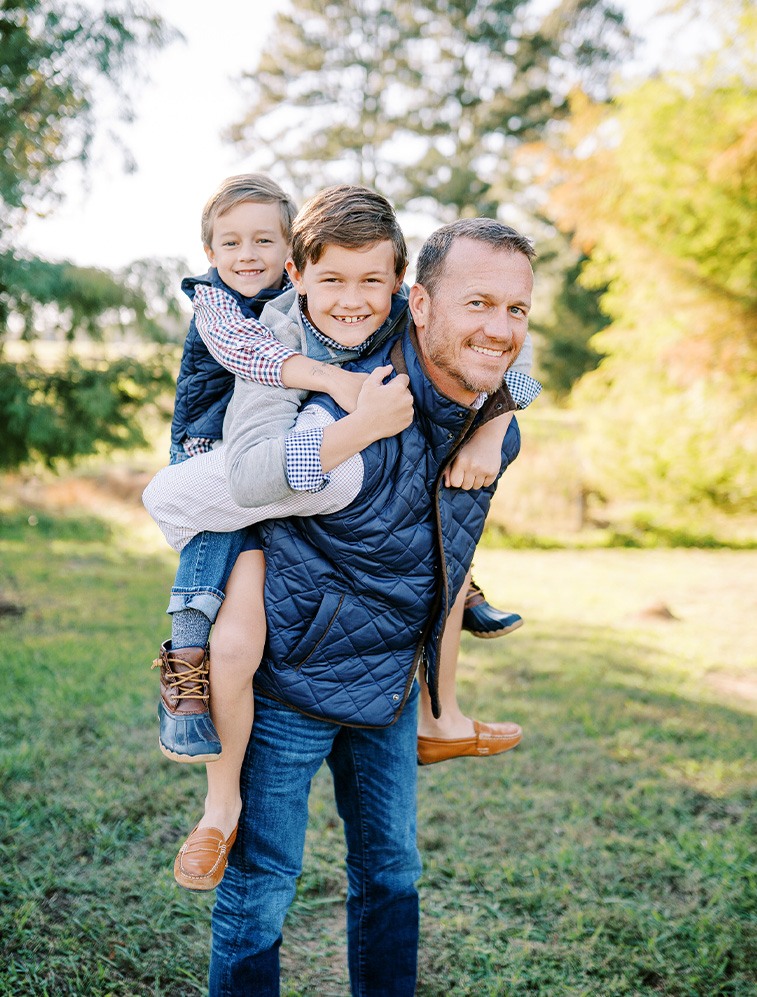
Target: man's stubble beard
x,y
436,350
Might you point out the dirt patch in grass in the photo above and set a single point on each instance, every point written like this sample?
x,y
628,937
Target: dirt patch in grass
x,y
743,687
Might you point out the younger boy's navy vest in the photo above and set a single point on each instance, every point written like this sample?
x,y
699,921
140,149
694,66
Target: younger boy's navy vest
x,y
357,600
204,387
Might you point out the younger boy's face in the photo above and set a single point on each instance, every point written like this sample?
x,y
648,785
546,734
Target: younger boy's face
x,y
248,247
349,291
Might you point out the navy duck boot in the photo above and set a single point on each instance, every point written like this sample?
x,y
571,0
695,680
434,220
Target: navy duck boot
x,y
482,620
187,734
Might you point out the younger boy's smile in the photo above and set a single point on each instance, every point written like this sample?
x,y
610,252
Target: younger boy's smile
x,y
349,291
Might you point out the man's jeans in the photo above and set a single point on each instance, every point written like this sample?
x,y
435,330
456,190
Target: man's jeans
x,y
204,565
374,774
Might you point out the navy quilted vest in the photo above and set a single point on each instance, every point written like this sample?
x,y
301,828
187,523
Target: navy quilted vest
x,y
357,600
204,387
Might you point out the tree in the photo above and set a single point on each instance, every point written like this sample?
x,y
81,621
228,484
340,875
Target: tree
x,y
426,102
566,352
661,193
55,59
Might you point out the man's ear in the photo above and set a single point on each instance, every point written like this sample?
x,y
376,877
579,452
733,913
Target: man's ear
x,y
295,276
419,302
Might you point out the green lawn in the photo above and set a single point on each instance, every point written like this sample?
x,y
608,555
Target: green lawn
x,y
612,853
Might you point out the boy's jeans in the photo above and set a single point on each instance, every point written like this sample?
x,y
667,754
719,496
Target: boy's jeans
x,y
204,566
374,773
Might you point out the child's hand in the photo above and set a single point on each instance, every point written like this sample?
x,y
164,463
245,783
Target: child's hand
x,y
478,462
345,387
386,409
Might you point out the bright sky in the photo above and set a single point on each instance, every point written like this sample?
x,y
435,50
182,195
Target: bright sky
x,y
181,109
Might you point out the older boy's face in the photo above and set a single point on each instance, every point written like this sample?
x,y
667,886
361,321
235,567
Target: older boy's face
x,y
349,291
248,247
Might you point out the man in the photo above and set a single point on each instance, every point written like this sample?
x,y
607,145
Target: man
x,y
356,604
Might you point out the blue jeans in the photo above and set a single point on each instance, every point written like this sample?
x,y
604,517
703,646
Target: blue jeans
x,y
374,773
204,565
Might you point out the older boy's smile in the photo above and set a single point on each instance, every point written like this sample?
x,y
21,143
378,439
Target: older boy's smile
x,y
348,291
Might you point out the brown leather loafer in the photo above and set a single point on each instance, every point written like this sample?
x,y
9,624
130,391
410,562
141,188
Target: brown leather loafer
x,y
488,739
202,859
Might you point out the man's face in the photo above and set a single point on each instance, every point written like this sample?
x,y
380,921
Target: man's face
x,y
349,291
248,247
473,327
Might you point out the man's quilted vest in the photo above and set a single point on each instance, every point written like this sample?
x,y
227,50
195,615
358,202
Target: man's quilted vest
x,y
204,387
357,600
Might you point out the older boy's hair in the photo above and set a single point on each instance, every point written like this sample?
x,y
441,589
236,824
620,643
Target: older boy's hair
x,y
247,187
434,251
346,215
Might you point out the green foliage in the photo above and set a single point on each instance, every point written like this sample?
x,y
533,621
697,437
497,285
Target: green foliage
x,y
566,352
71,411
665,202
55,57
427,102
58,300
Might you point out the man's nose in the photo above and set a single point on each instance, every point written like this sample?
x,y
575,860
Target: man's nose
x,y
499,327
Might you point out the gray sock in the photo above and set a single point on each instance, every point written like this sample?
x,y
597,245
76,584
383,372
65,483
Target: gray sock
x,y
189,628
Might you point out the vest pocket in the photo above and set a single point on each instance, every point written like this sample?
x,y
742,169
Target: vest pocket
x,y
322,622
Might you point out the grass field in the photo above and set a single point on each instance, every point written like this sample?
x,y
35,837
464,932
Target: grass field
x,y
612,854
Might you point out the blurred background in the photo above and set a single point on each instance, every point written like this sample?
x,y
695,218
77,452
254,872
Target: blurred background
x,y
620,136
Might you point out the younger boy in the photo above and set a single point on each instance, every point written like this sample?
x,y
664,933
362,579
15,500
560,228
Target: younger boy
x,y
350,283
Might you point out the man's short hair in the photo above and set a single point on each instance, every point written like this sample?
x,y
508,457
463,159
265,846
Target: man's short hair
x,y
435,249
247,187
349,216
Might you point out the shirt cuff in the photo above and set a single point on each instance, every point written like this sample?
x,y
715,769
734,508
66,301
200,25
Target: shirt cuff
x,y
302,452
523,388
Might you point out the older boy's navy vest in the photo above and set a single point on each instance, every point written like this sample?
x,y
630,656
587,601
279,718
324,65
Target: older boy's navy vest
x,y
204,387
357,600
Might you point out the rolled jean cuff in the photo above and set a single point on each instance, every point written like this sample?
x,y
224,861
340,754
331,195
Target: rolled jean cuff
x,y
207,601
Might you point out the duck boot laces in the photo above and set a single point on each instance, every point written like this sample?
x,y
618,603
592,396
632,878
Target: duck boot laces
x,y
483,620
187,734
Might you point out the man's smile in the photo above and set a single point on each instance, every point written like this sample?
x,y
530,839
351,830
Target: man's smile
x,y
487,352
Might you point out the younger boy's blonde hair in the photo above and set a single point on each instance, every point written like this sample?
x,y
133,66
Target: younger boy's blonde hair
x,y
346,215
247,187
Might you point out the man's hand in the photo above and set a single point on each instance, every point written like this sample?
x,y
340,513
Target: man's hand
x,y
478,462
385,409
